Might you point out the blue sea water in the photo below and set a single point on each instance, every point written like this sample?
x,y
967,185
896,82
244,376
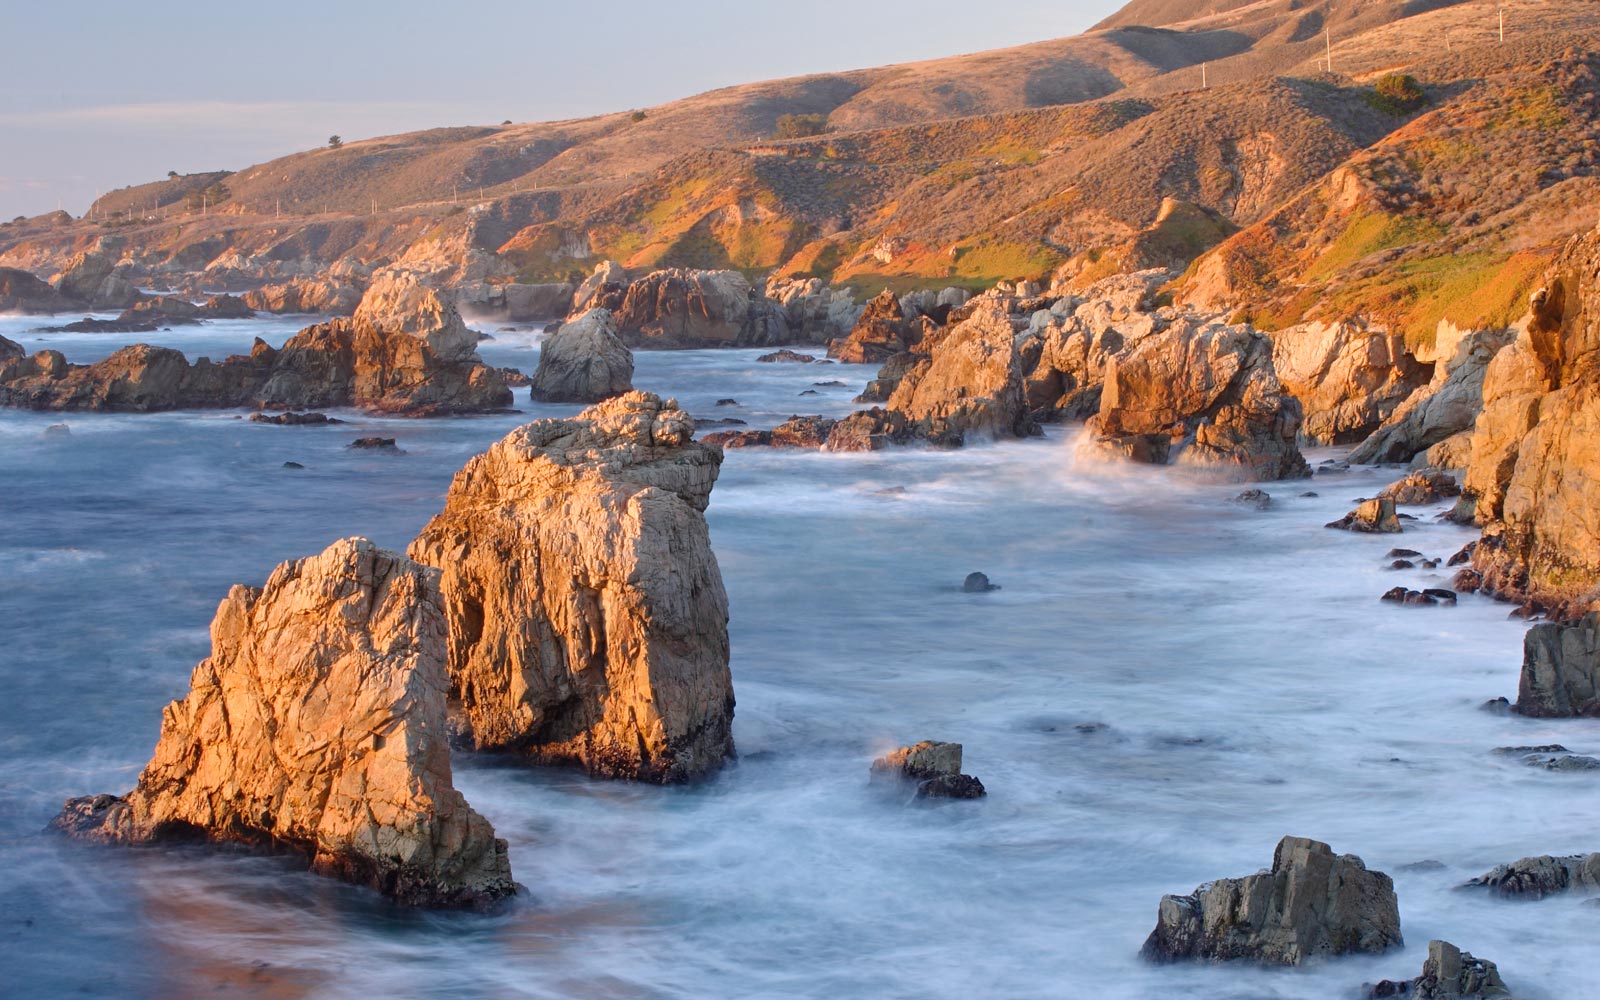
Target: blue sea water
x,y
1165,685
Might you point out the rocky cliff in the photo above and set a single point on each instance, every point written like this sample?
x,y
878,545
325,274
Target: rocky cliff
x,y
588,622
584,361
1535,455
317,726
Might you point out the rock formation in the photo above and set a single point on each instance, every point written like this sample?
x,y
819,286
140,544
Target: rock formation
x,y
1349,380
406,352
1425,486
1311,904
22,292
318,726
1535,464
882,331
1561,670
1441,414
970,385
1204,396
324,296
1448,973
1536,878
935,769
588,622
97,277
584,361
681,308
608,281
1375,516
813,312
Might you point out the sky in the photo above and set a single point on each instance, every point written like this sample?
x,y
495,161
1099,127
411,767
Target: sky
x,y
106,93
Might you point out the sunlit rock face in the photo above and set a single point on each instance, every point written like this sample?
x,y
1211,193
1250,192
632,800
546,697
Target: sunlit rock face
x,y
1535,459
318,726
588,621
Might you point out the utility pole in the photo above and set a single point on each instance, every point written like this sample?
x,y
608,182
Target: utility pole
x,y
1327,33
1502,22
1204,85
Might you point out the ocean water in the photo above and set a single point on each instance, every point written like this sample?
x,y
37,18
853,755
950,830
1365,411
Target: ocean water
x,y
1165,685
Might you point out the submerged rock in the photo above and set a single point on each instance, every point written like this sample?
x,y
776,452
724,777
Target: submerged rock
x,y
934,767
1561,670
787,356
584,362
1448,973
588,621
1536,878
292,419
977,583
1310,904
317,726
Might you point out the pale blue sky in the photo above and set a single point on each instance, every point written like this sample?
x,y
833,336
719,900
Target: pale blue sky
x,y
96,94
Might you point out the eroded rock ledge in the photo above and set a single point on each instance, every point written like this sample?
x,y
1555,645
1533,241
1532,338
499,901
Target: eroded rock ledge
x,y
317,726
588,621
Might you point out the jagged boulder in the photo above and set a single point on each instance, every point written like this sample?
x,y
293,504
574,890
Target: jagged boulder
x,y
1535,464
1536,878
588,622
1561,670
608,281
97,277
1348,379
1311,904
1375,516
683,308
1448,973
1204,396
1442,411
22,292
970,385
933,767
584,361
882,331
325,296
318,726
1424,486
813,312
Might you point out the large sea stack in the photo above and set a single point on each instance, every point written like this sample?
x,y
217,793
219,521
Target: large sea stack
x,y
318,726
588,621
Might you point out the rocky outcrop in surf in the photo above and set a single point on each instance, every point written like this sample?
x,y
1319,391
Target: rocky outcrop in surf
x,y
584,361
1536,878
970,385
932,768
588,621
1204,396
318,726
882,331
1535,459
1348,379
97,277
23,292
1311,904
323,296
404,352
1561,670
683,308
1448,973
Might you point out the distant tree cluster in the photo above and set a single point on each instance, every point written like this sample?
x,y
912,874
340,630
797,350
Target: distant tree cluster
x,y
209,197
1397,94
335,142
638,116
801,126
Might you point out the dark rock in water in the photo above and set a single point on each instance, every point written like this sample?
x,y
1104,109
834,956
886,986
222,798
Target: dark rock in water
x,y
935,767
1422,487
796,432
58,431
729,402
810,392
1310,494
1402,554
1311,904
1402,564
1429,865
830,384
1447,597
1464,556
700,422
977,583
740,439
1418,598
1528,612
1561,670
1259,499
292,419
375,444
788,356
293,465
1465,511
1429,564
1536,878
1550,757
1372,517
1448,974
91,325
1497,706
1467,581
514,378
